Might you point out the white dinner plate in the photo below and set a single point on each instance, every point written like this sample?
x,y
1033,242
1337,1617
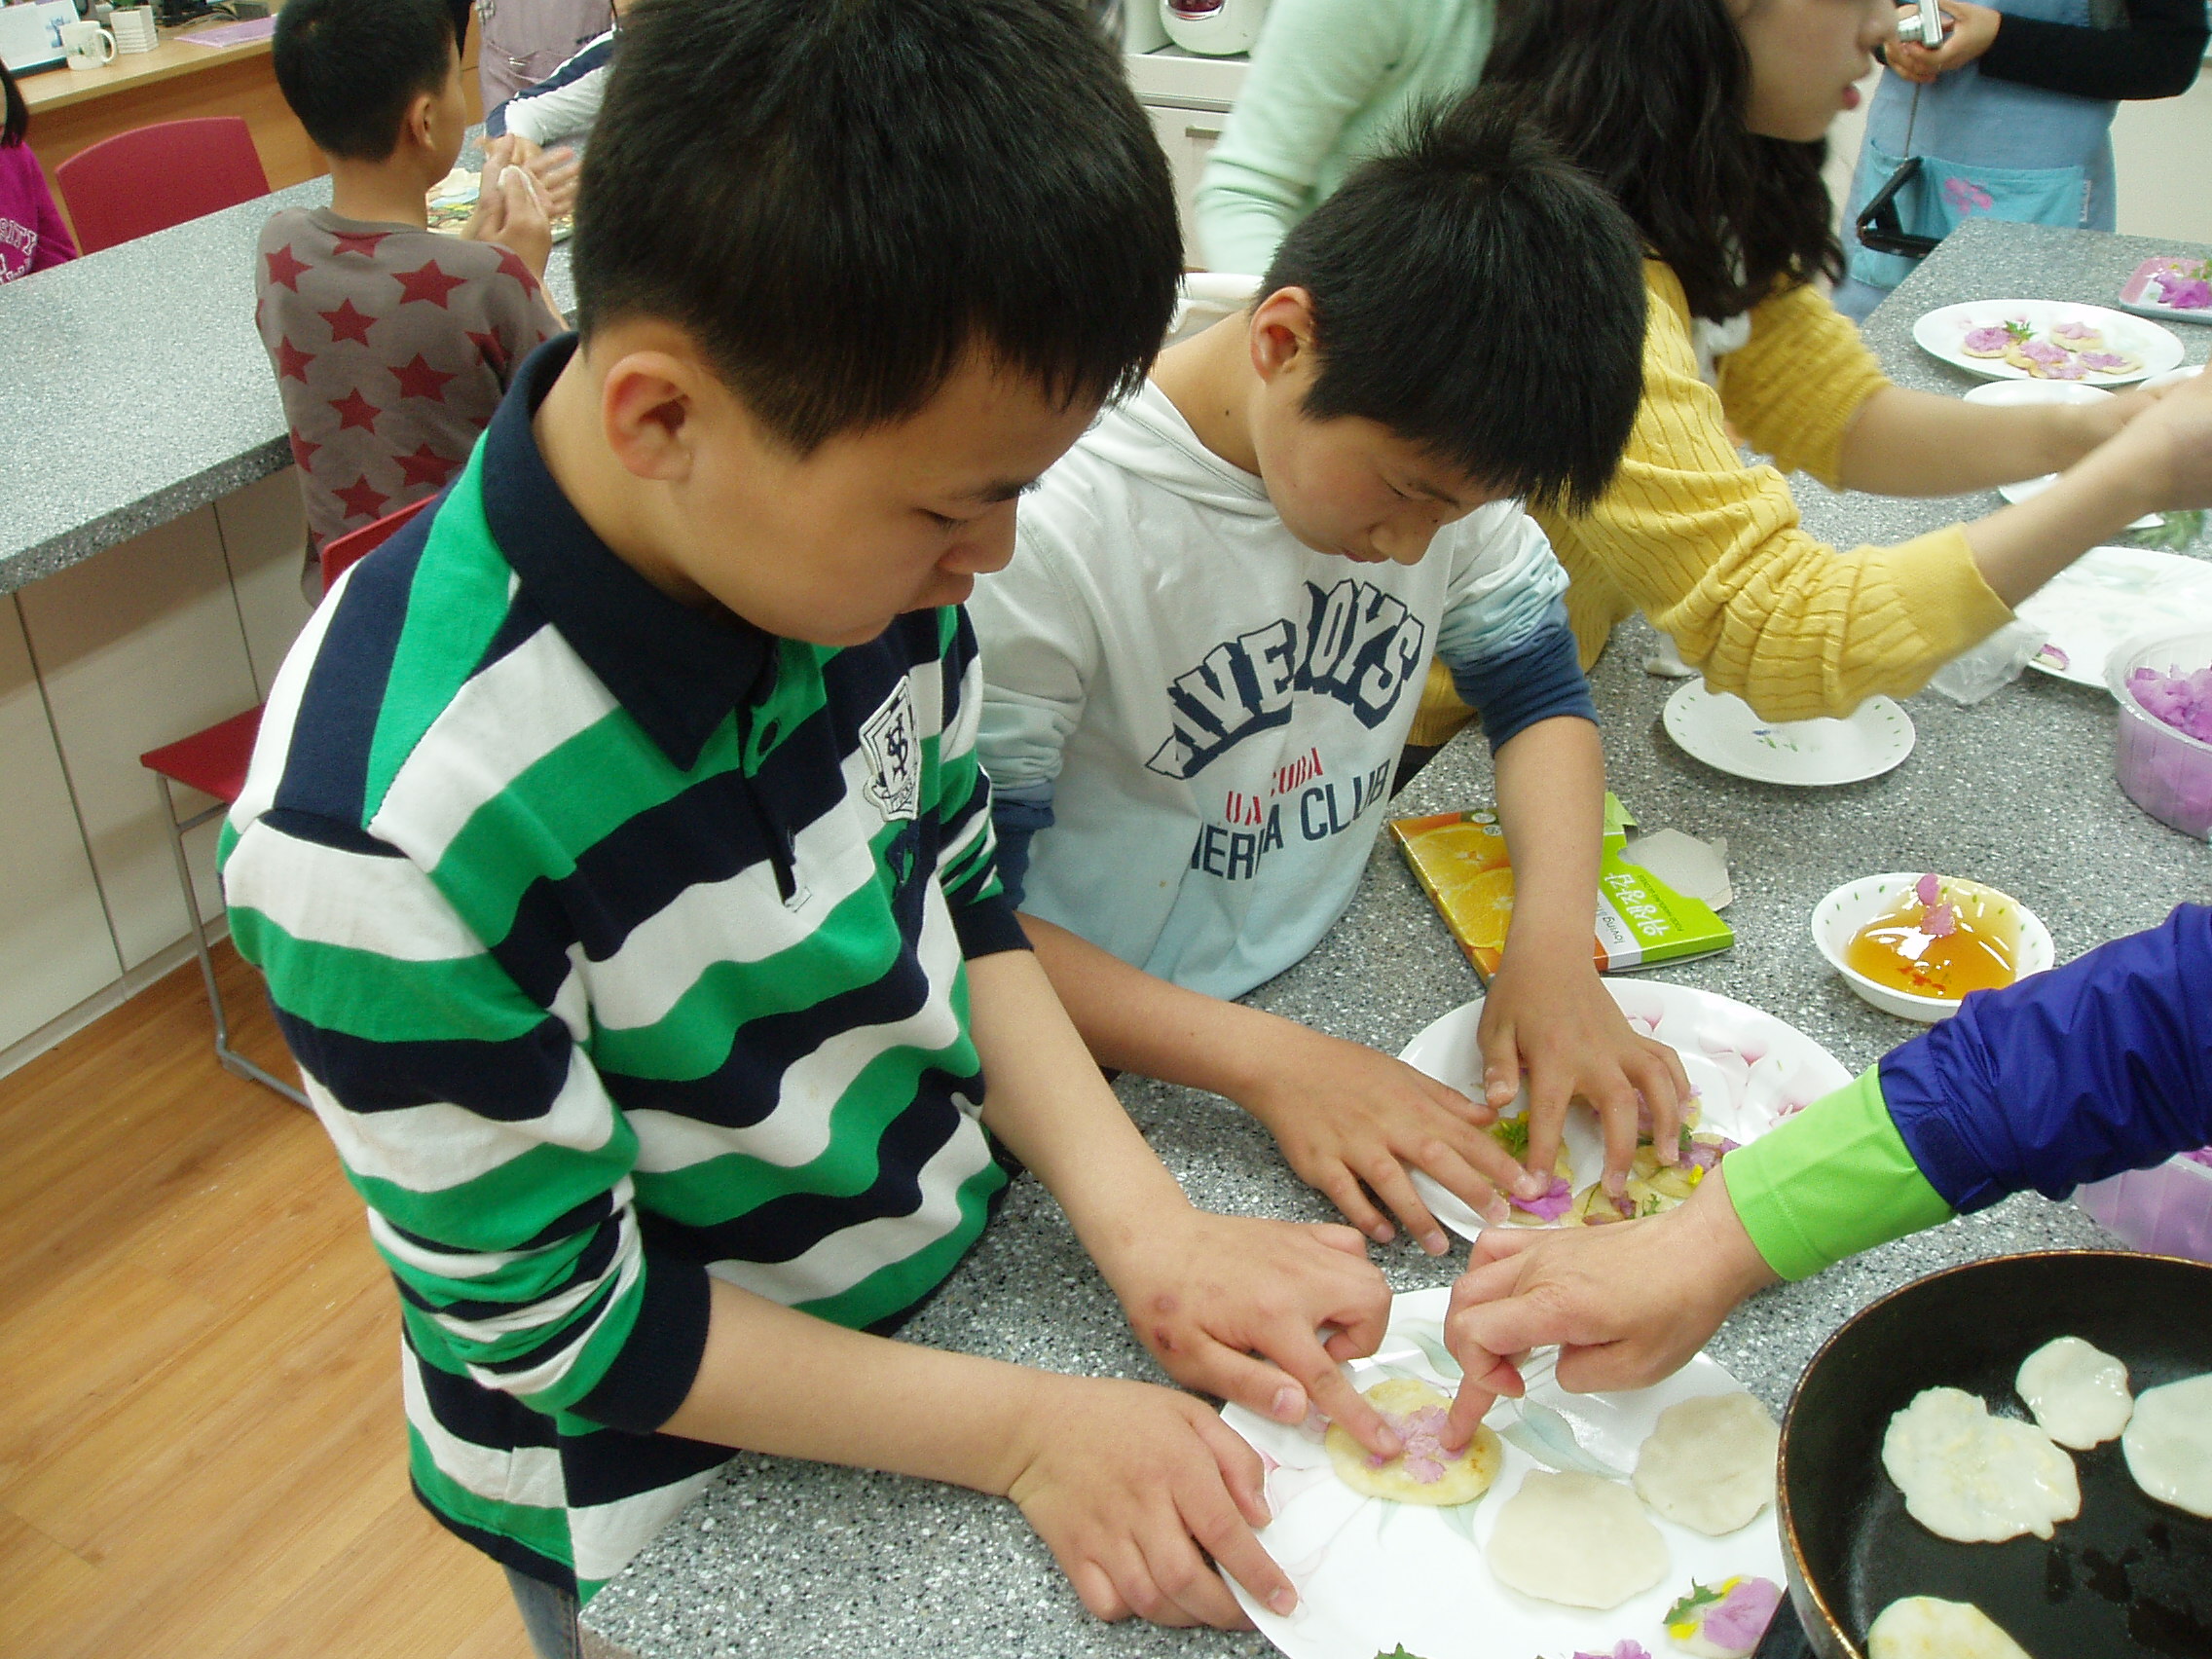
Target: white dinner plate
x,y
2109,595
2008,394
1941,332
1749,1069
1372,1575
1723,731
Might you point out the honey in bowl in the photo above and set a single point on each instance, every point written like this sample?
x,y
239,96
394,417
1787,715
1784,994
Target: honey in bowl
x,y
1939,939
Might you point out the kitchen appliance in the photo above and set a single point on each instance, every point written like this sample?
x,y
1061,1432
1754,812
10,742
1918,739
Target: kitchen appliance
x,y
1213,28
30,35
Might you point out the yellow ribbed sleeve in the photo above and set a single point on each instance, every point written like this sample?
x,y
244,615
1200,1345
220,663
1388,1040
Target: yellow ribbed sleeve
x,y
1712,550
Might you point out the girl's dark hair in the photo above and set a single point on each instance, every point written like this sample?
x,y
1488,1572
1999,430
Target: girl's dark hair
x,y
1649,98
18,112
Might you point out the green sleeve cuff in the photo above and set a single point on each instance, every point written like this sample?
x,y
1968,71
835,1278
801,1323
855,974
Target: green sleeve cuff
x,y
1830,1182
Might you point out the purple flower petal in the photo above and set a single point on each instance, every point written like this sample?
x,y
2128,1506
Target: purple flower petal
x,y
1744,1614
1927,890
1556,1201
1941,922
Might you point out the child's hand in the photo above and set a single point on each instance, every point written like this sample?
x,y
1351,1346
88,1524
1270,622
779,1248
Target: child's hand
x,y
1549,1021
555,173
509,213
1352,1121
1626,1304
1237,1308
1127,1482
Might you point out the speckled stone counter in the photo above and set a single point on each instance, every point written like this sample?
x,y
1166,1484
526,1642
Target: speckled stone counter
x,y
136,389
783,1557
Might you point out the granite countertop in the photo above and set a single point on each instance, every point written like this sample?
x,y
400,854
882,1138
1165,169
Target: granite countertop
x,y
136,388
781,1558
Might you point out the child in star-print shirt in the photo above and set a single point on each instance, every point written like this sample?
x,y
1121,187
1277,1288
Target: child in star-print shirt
x,y
392,344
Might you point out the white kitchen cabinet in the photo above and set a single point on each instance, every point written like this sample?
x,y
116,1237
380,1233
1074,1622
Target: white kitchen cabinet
x,y
55,949
1188,136
138,647
265,538
1187,98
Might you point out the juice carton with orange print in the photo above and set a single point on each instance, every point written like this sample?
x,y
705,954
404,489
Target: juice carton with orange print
x,y
1460,860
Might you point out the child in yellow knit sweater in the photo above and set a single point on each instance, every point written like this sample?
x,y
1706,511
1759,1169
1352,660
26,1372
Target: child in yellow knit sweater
x,y
1714,150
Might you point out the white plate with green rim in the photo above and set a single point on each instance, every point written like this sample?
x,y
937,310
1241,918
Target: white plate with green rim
x,y
2109,595
1723,731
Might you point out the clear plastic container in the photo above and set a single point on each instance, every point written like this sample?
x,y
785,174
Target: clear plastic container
x,y
2166,772
2166,1212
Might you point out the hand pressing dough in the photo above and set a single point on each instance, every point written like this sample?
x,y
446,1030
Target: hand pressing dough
x,y
1425,1473
1925,1626
1710,1463
2168,1444
1974,1477
1577,1539
2077,1392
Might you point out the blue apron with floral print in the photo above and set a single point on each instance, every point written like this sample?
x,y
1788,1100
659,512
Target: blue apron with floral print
x,y
1989,149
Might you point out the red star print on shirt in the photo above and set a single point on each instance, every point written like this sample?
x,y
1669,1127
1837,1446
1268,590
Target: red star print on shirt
x,y
303,453
494,354
362,242
361,499
355,410
425,466
292,362
418,380
286,268
347,323
429,283
515,268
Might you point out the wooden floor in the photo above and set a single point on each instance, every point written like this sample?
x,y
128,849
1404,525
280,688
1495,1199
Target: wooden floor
x,y
201,1451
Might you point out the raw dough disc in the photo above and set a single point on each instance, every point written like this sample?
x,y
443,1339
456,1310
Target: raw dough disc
x,y
2168,1444
1577,1539
1710,1463
1927,1627
1416,1411
1974,1477
2077,1392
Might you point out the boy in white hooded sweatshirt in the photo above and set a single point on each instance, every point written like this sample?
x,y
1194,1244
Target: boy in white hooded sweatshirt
x,y
1203,661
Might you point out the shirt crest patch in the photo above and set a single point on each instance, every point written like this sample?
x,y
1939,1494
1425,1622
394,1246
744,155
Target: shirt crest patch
x,y
892,745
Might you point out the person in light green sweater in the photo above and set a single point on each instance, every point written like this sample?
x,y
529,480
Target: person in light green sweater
x,y
1330,83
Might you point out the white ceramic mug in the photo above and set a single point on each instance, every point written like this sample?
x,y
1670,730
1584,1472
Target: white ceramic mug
x,y
89,45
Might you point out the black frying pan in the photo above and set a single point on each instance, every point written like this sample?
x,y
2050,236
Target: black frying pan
x,y
2126,1578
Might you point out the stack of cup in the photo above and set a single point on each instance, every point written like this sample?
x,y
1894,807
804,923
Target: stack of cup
x,y
133,27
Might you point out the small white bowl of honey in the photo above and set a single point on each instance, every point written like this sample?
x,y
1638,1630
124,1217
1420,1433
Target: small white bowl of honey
x,y
1915,944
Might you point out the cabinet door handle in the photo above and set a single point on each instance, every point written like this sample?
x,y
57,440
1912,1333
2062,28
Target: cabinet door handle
x,y
1201,132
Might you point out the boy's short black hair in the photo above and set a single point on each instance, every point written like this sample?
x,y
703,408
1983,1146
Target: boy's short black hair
x,y
1481,298
838,200
350,68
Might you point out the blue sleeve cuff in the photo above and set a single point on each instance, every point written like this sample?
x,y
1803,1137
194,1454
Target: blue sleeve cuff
x,y
1538,677
496,120
1015,823
987,927
2101,1067
653,1372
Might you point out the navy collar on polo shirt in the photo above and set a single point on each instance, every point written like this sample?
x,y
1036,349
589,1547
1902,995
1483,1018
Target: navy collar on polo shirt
x,y
677,672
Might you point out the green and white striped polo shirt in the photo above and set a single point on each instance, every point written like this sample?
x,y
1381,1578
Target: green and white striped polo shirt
x,y
620,947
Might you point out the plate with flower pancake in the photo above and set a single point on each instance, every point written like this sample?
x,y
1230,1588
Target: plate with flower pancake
x,y
1374,1576
1750,1070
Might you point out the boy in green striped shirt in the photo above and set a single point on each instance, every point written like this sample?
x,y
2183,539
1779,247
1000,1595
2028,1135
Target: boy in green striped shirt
x,y
619,857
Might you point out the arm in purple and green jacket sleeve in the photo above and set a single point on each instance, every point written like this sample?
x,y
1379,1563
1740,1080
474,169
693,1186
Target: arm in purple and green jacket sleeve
x,y
2072,1076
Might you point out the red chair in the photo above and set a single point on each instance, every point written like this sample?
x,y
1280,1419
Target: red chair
x,y
214,761
153,177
